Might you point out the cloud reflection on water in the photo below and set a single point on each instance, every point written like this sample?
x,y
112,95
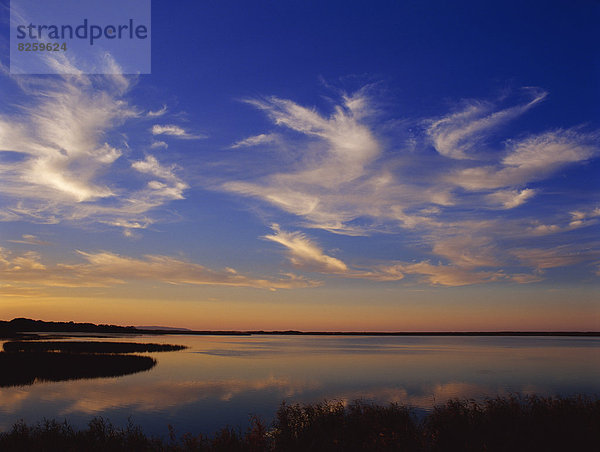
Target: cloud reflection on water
x,y
222,380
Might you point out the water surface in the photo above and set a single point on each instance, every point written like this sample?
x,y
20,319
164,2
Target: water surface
x,y
222,380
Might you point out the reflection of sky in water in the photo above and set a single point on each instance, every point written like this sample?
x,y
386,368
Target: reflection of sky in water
x,y
222,380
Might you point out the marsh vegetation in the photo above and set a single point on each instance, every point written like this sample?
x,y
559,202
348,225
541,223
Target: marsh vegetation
x,y
88,347
28,362
511,423
27,368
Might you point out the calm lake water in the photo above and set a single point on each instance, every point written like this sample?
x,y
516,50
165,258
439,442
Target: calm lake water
x,y
222,380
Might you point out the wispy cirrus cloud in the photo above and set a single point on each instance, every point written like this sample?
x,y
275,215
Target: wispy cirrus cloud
x,y
346,178
472,261
304,253
451,275
157,113
558,256
175,131
104,269
507,199
531,159
60,138
62,157
458,134
150,165
453,193
263,138
29,239
333,182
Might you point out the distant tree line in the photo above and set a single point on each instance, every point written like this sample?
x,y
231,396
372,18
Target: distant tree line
x,y
24,325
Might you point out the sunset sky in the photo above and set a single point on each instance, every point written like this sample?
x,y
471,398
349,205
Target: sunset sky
x,y
314,165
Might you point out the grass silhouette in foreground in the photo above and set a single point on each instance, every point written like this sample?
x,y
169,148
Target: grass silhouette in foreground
x,y
513,423
88,347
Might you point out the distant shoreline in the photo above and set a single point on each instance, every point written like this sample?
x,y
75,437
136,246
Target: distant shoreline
x,y
376,333
21,326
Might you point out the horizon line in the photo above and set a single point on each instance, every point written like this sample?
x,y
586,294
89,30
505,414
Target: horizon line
x,y
177,330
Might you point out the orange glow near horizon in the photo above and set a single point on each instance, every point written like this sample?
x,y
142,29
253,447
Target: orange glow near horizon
x,y
263,310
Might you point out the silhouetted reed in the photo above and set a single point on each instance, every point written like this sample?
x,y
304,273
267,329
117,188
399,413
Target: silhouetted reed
x,y
512,423
88,347
334,426
515,423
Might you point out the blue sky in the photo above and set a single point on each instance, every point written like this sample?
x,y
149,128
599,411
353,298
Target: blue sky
x,y
333,165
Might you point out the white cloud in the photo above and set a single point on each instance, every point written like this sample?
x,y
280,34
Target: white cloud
x,y
580,218
349,145
127,225
337,178
548,149
559,256
170,188
468,252
450,275
343,172
60,135
458,134
304,253
150,165
564,223
174,131
157,113
28,239
531,159
344,182
104,269
508,199
467,256
263,138
64,133
159,145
